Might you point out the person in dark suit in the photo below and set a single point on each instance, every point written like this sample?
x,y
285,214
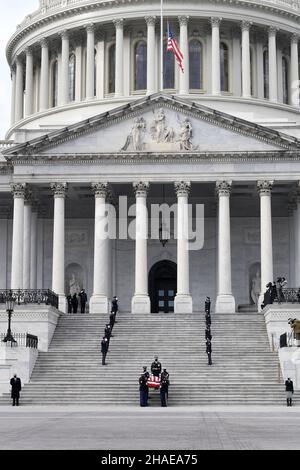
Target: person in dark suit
x,y
156,367
114,305
104,349
83,300
143,390
69,302
16,387
112,320
289,389
164,392
208,351
75,303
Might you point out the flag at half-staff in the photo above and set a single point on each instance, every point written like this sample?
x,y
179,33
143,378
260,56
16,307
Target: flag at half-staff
x,y
173,46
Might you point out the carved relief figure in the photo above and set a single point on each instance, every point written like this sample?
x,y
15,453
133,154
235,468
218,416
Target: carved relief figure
x,y
185,135
136,136
255,288
74,285
159,130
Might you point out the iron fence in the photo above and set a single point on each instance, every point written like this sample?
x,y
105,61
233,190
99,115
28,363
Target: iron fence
x,y
30,296
22,339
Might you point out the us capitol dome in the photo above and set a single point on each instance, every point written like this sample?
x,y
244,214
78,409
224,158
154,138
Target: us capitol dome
x,y
73,59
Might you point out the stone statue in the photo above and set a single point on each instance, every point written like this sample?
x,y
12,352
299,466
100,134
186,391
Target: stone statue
x,y
74,286
136,136
255,288
159,131
185,135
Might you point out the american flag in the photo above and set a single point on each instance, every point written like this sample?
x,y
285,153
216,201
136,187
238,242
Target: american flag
x,y
174,47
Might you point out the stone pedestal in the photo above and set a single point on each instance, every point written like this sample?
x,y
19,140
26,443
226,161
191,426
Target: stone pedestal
x,y
183,304
225,303
99,304
140,304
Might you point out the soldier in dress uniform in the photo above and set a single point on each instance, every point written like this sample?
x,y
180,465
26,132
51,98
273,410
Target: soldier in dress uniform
x,y
156,367
69,301
112,320
208,351
107,334
75,303
104,349
164,391
208,319
143,390
16,387
207,305
83,300
114,305
208,334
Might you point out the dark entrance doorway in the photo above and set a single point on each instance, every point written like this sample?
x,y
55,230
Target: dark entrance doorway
x,y
163,286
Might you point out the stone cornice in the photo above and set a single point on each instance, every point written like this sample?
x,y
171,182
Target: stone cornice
x,y
42,18
136,108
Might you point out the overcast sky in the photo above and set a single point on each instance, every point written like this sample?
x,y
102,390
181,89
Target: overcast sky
x,y
12,13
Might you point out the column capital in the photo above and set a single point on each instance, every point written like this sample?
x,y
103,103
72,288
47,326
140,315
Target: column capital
x,y
182,188
141,188
19,60
18,190
28,52
272,30
100,189
264,187
295,38
245,25
59,189
44,43
183,20
90,28
223,188
150,20
215,21
28,197
64,34
119,23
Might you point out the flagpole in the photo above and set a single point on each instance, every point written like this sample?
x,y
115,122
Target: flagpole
x,y
162,45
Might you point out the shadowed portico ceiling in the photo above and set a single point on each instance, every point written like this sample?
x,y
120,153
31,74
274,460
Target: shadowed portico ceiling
x,y
213,133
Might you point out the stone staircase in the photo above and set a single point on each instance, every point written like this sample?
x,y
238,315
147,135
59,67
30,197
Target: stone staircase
x,y
244,371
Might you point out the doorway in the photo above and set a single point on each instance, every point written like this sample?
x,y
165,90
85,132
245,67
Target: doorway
x,y
163,286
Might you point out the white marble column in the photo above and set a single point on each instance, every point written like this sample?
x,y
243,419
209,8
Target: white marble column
x,y
297,237
29,83
183,299
33,247
13,95
225,302
272,65
184,78
99,299
44,83
27,240
119,24
294,71
259,66
100,75
151,55
141,301
19,90
18,190
246,66
90,62
64,75
58,266
78,72
266,245
236,62
215,56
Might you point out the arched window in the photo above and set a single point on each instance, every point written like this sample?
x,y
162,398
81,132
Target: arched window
x,y
111,68
169,69
54,79
224,64
196,58
285,80
140,66
266,74
72,77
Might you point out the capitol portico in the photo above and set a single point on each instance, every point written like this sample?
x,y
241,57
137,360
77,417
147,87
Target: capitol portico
x,y
90,126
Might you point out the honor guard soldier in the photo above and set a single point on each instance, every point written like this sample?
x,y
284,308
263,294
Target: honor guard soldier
x,y
208,319
164,392
208,334
69,302
143,390
207,305
156,367
208,351
107,334
16,387
112,320
114,305
83,300
104,349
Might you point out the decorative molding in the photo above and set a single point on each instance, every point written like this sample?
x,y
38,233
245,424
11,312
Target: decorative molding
x,y
28,196
59,189
100,189
182,188
223,188
77,237
18,190
264,187
141,188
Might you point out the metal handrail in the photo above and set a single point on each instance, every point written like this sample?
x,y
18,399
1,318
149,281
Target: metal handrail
x,y
22,339
30,296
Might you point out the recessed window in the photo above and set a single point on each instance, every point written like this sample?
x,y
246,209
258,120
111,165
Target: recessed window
x,y
195,56
111,68
224,65
72,77
140,66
